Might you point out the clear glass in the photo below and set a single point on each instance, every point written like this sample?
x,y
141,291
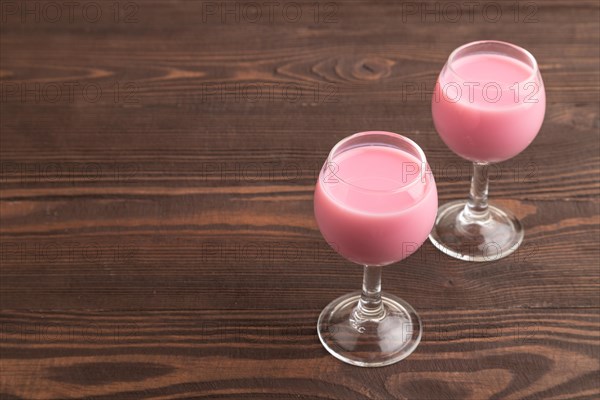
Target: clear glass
x,y
373,226
485,121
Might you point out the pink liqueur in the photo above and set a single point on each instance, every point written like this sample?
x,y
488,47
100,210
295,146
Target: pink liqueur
x,y
375,205
488,107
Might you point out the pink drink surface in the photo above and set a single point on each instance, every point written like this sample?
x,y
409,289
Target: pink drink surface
x,y
373,205
488,107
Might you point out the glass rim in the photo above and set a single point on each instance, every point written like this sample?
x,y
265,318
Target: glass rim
x,y
533,62
412,144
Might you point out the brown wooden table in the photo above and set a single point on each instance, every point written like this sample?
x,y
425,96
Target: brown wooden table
x,y
158,163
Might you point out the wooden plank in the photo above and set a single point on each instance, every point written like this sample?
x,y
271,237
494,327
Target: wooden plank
x,y
258,249
476,354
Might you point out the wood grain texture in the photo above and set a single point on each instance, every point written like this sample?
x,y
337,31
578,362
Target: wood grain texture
x,y
156,229
477,354
190,251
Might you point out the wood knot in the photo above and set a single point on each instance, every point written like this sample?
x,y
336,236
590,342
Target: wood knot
x,y
371,68
363,69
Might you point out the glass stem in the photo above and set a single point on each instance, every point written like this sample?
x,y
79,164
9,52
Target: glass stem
x,y
370,307
477,205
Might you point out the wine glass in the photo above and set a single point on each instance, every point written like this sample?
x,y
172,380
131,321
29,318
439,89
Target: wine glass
x,y
488,106
375,203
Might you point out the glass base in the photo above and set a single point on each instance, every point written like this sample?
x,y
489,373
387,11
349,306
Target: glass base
x,y
372,343
490,238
